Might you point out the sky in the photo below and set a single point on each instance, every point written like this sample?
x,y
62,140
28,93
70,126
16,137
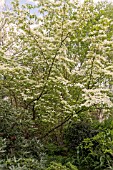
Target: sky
x,y
8,2
26,1
21,1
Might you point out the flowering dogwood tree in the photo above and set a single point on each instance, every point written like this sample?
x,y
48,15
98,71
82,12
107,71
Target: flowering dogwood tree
x,y
58,63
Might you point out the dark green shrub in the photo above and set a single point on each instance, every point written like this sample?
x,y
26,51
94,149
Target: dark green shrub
x,y
55,153
77,132
19,148
96,153
90,147
2,148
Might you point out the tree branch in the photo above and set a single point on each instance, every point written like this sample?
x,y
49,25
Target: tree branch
x,y
49,72
62,123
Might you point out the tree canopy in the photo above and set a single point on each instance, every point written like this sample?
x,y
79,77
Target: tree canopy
x,y
58,63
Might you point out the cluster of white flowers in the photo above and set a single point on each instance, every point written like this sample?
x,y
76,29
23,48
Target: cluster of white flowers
x,y
96,97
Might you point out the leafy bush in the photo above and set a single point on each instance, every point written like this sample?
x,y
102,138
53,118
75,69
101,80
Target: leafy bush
x,y
55,153
91,147
77,132
19,148
59,166
96,153
71,167
2,148
56,166
21,164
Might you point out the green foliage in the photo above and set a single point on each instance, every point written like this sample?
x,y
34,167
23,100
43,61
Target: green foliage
x,y
59,166
53,67
19,148
96,152
2,147
55,152
77,132
56,166
70,166
21,164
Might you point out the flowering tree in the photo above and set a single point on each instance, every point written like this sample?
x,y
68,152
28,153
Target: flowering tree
x,y
58,63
